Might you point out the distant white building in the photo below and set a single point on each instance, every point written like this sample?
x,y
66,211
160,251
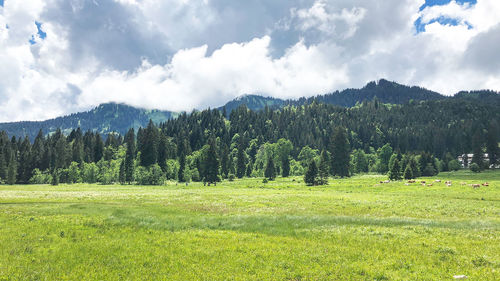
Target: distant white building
x,y
486,159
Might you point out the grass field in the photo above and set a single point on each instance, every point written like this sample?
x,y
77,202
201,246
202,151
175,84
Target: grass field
x,y
352,229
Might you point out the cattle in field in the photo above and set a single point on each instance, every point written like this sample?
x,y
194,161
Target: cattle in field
x,y
485,184
411,181
448,182
437,180
476,186
422,181
463,183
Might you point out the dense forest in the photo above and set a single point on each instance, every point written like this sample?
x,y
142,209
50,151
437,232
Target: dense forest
x,y
112,117
316,140
106,118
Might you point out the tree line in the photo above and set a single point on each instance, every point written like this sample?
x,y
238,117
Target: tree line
x,y
316,141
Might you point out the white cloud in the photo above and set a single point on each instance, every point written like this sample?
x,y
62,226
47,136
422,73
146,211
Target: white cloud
x,y
185,54
193,79
320,18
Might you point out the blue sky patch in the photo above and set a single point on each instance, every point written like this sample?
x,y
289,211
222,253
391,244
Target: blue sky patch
x,y
420,27
40,32
429,3
1,3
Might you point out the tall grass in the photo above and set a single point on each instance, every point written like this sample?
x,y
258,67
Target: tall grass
x,y
352,229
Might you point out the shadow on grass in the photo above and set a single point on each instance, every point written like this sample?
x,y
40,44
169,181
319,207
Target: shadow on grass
x,y
111,214
178,220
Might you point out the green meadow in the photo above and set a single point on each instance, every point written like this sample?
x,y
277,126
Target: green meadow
x,y
352,229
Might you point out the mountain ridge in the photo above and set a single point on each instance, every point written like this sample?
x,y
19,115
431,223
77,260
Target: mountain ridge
x,y
105,118
119,117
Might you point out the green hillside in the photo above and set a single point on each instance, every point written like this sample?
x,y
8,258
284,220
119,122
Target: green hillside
x,y
106,118
113,117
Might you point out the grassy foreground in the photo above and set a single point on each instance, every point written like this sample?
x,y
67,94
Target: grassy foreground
x,y
353,229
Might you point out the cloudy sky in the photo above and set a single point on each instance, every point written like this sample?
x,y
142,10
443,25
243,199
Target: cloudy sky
x,y
63,56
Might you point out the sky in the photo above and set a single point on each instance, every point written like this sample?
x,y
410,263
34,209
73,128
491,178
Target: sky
x,y
62,56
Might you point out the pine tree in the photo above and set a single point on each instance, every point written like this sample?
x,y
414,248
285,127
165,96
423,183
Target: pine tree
x,y
60,153
3,165
283,150
225,161
12,170
477,146
149,145
25,167
408,174
129,156
395,172
249,169
230,165
492,140
162,152
38,151
427,165
360,161
240,159
181,174
183,150
270,172
182,166
311,176
46,158
55,177
212,163
88,147
323,168
122,173
384,155
99,148
77,150
404,163
340,153
285,163
394,156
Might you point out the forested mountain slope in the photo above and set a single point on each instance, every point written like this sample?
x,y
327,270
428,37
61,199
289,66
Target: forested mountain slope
x,y
112,117
437,126
385,91
253,102
106,118
426,136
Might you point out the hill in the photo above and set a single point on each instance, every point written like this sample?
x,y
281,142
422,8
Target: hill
x,y
253,102
385,91
113,117
105,118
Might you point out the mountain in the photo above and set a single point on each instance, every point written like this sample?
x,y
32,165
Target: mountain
x,y
106,118
385,91
253,102
113,117
485,96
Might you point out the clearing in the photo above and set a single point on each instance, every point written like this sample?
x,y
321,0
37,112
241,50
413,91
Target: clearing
x,y
352,229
